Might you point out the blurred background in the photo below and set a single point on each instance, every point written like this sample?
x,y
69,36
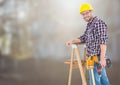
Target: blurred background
x,y
33,35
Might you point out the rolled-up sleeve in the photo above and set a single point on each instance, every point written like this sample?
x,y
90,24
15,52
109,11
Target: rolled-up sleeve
x,y
101,32
82,38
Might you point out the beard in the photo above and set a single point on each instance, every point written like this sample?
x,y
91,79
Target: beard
x,y
87,19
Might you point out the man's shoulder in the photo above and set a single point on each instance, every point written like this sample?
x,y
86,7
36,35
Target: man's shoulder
x,y
98,20
100,23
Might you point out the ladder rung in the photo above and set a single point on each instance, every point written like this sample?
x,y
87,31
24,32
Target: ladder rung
x,y
75,63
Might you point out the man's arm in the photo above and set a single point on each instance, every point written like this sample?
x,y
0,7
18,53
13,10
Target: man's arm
x,y
102,36
79,40
103,49
74,41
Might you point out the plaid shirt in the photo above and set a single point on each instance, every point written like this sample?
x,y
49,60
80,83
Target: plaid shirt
x,y
95,34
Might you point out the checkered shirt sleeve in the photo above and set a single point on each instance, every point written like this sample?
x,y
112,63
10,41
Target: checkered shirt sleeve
x,y
101,32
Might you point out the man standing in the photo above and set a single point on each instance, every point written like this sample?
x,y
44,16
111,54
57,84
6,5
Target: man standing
x,y
95,38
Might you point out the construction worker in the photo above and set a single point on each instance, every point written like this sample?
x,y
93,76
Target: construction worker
x,y
95,37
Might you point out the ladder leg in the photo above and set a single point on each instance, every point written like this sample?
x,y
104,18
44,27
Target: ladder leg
x,y
93,78
84,66
80,67
71,66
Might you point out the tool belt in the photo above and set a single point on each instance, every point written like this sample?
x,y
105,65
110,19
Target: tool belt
x,y
93,59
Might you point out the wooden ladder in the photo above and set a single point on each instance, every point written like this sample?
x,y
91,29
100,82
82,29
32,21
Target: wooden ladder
x,y
77,63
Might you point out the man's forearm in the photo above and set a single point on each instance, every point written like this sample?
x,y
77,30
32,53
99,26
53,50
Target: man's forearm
x,y
77,41
103,49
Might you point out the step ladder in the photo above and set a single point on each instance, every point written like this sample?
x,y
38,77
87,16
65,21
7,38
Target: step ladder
x,y
77,63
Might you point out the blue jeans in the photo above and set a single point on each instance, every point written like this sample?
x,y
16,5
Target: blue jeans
x,y
101,79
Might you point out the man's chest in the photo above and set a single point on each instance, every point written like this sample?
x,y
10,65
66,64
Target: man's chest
x,y
91,33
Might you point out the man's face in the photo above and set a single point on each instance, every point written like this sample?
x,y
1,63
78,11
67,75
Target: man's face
x,y
87,15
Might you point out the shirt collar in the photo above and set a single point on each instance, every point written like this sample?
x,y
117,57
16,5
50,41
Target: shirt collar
x,y
92,20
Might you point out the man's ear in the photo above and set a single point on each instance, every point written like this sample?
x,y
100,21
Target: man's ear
x,y
91,11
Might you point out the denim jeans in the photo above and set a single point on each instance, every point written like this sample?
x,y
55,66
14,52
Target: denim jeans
x,y
101,79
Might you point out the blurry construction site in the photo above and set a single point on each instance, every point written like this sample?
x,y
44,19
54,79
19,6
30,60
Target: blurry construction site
x,y
33,35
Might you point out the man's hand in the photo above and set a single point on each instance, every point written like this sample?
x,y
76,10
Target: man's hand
x,y
103,62
75,41
69,43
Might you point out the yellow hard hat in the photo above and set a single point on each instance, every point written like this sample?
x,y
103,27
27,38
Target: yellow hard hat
x,y
85,7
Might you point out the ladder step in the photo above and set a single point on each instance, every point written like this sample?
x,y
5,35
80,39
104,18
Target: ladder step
x,y
75,63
